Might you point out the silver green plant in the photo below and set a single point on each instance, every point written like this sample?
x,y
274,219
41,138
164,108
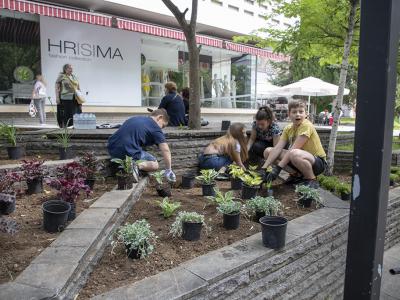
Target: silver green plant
x,y
184,216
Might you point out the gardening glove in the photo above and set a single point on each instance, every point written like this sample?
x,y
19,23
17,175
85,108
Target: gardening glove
x,y
274,173
170,175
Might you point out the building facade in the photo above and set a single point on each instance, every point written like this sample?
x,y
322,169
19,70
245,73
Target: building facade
x,y
124,51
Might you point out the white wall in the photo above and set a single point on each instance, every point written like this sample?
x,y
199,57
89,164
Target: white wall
x,y
111,80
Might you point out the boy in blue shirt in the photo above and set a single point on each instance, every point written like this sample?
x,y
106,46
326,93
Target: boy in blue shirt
x,y
138,132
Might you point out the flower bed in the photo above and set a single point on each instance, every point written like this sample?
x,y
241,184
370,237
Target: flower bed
x,y
19,250
116,269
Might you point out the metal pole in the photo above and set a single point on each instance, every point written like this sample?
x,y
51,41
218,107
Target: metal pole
x,y
380,23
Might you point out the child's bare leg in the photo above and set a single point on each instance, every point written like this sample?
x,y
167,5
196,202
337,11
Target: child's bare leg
x,y
148,166
303,161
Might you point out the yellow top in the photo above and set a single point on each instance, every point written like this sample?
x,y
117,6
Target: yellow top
x,y
145,83
313,144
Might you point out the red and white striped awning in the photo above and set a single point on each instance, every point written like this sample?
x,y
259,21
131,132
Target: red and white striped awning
x,y
105,20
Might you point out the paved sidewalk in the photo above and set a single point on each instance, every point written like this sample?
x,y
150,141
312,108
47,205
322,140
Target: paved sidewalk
x,y
390,288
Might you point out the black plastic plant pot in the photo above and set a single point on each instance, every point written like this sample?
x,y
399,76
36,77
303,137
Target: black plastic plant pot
x,y
225,125
35,186
55,215
8,205
231,222
258,216
273,229
90,182
249,192
72,212
191,231
188,180
132,253
305,202
345,196
391,182
163,191
15,152
236,184
124,182
65,153
208,189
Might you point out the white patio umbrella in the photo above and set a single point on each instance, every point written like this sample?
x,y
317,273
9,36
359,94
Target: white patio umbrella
x,y
311,86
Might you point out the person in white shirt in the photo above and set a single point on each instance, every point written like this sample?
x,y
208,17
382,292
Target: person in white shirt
x,y
39,95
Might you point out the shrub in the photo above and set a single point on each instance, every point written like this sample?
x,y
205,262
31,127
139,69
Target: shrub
x,y
188,217
306,192
395,170
394,177
269,205
344,188
136,236
9,132
330,183
69,189
207,176
89,161
168,208
72,170
229,208
124,166
32,169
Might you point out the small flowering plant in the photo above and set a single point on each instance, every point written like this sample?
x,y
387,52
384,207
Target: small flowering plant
x,y
7,180
32,169
91,163
72,170
69,189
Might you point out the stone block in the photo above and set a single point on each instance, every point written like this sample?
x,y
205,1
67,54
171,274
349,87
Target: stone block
x,y
17,291
177,283
77,238
114,199
61,255
93,218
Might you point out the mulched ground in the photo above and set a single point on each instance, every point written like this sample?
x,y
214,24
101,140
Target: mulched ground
x,y
19,250
116,270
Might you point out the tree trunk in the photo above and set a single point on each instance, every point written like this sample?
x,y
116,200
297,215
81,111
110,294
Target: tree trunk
x,y
194,79
189,29
342,81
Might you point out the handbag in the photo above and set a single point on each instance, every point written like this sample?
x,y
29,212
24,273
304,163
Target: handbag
x,y
32,109
78,94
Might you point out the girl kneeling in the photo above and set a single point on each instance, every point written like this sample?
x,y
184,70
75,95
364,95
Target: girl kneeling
x,y
221,152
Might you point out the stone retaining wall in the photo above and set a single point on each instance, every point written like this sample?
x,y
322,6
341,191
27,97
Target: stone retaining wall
x,y
312,264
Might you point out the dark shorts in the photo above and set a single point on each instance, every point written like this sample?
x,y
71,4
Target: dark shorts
x,y
318,167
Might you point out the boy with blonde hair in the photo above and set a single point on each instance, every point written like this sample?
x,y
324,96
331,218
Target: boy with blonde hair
x,y
305,157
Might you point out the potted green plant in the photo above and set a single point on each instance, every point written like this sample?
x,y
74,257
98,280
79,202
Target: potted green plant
x,y
124,174
9,132
138,239
163,189
168,207
307,195
188,180
258,207
92,165
188,225
207,179
268,187
63,139
393,178
344,190
230,211
33,173
220,197
251,184
236,172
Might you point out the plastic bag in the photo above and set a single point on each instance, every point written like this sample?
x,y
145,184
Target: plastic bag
x,y
32,109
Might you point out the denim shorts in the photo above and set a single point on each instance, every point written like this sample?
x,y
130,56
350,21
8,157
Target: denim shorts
x,y
147,156
213,161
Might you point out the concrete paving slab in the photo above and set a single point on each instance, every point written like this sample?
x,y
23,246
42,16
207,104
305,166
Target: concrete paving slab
x,y
93,218
53,276
390,286
77,238
171,284
114,199
62,255
16,291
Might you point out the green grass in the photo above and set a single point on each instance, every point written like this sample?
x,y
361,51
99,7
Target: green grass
x,y
352,121
350,147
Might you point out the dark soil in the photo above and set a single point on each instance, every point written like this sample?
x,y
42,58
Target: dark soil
x,y
19,250
115,270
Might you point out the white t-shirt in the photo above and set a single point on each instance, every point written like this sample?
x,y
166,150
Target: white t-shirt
x,y
40,90
237,147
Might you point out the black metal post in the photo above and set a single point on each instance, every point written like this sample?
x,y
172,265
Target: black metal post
x,y
380,24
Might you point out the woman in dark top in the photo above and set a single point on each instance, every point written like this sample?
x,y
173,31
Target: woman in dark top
x,y
173,104
185,95
265,133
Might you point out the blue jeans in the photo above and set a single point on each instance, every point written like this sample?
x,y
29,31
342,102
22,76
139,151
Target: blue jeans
x,y
213,161
147,156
